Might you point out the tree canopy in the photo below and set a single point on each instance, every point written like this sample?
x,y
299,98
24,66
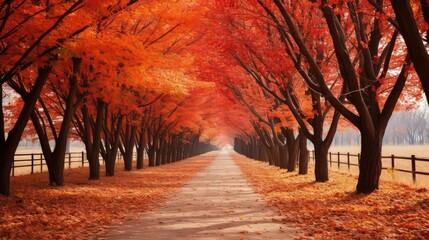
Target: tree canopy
x,y
179,78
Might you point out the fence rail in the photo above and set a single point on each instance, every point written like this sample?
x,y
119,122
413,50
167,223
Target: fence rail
x,y
352,160
35,162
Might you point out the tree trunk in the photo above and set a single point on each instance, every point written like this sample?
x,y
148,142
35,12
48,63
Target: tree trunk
x,y
158,153
140,149
370,165
9,146
94,152
110,166
263,153
413,40
58,155
255,149
7,157
128,160
167,158
293,156
140,157
179,150
94,167
162,152
111,142
292,145
283,156
173,149
303,154
168,150
269,155
45,146
186,150
151,156
152,146
129,143
321,159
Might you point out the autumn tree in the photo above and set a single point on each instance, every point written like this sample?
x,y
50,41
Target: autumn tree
x,y
74,39
260,60
348,55
373,69
71,87
159,77
27,60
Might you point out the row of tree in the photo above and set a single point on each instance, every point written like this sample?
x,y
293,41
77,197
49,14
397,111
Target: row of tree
x,y
303,68
404,128
112,74
120,75
408,128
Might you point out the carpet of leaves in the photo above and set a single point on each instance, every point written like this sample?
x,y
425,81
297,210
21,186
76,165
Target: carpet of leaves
x,y
83,209
332,210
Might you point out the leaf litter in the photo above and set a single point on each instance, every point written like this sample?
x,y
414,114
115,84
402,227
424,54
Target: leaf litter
x,y
333,210
83,208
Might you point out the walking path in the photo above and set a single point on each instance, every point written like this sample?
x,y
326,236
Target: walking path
x,y
217,204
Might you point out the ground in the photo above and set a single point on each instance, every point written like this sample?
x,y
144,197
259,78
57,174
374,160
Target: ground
x,y
207,197
217,204
83,208
333,210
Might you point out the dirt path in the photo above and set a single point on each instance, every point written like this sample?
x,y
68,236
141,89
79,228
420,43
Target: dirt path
x,y
217,204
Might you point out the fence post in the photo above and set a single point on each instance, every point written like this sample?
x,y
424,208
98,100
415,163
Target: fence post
x,y
339,162
348,161
69,160
359,159
330,159
32,163
413,167
83,157
41,163
393,161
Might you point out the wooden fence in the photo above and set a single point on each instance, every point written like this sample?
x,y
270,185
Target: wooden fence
x,y
29,163
390,163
